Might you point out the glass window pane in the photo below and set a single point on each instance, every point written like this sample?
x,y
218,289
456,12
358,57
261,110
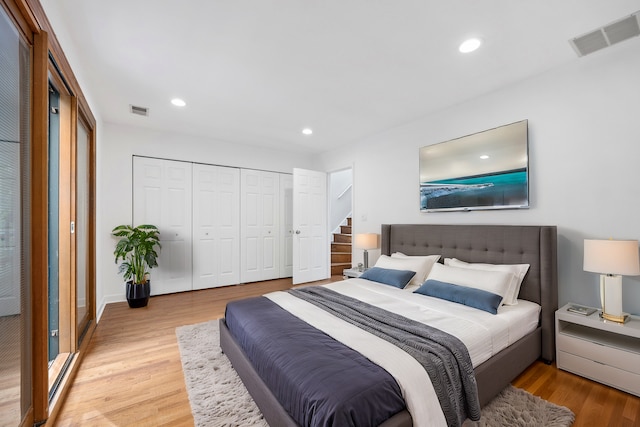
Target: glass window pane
x,y
15,358
82,229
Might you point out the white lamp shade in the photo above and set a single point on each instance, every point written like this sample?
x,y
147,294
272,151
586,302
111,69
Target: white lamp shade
x,y
612,257
366,241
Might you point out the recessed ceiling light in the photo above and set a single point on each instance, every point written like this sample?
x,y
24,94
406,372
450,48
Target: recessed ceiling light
x,y
484,157
307,131
178,102
470,45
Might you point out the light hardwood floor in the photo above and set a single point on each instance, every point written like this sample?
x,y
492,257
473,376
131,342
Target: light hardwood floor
x,y
132,376
10,370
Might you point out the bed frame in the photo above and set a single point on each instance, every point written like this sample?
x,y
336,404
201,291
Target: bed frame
x,y
496,244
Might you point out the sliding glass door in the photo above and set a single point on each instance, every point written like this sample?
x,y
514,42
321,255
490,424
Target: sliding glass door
x,y
60,277
70,284
47,217
54,217
15,316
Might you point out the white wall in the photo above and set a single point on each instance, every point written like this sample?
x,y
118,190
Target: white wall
x,y
584,147
114,193
340,196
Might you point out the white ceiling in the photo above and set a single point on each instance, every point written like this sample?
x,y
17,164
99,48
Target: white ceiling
x,y
258,71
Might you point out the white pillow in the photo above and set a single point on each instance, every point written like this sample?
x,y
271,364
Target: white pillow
x,y
417,265
428,261
496,282
518,271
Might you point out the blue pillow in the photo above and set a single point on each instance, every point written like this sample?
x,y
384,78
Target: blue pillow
x,y
472,297
397,278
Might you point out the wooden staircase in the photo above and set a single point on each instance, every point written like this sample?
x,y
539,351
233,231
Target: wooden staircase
x,y
341,249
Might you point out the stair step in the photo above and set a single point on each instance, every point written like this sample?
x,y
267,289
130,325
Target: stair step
x,y
336,269
341,247
341,238
340,257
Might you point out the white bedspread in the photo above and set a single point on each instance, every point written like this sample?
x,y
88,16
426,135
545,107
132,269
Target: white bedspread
x,y
483,333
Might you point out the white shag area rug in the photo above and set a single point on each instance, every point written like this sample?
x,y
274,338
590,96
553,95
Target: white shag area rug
x,y
219,398
217,395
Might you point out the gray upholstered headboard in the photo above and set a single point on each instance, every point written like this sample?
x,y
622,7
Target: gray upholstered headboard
x,y
496,244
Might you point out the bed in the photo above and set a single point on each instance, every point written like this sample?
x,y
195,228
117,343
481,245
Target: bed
x,y
493,244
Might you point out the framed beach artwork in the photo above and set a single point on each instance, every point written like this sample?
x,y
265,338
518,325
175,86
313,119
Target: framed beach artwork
x,y
485,170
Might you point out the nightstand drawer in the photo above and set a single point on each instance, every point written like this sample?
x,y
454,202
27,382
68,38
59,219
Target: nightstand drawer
x,y
618,378
614,357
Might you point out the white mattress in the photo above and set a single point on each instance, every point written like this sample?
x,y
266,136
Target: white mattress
x,y
483,333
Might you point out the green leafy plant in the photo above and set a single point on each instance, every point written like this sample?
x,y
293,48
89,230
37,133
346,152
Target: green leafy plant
x,y
137,250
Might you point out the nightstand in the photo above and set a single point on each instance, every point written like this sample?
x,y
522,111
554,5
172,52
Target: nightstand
x,y
348,273
601,350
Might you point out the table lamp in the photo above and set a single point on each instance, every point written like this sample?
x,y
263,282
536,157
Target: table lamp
x,y
366,241
612,259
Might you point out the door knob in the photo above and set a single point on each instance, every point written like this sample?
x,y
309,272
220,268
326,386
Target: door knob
x,y
297,231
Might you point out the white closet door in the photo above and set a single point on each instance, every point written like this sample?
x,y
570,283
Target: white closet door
x,y
229,226
162,197
286,225
311,240
250,230
259,229
270,183
216,226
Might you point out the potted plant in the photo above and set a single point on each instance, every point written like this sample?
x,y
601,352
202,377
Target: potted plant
x,y
137,250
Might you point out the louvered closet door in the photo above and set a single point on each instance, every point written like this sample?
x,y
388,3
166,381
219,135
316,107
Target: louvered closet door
x,y
259,226
162,197
216,226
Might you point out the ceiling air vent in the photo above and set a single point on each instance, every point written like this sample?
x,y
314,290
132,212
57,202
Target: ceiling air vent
x,y
615,32
141,111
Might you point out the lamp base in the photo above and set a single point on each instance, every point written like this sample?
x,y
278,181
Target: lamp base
x,y
613,318
611,298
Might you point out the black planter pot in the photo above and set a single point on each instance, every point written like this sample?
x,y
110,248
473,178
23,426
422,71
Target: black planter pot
x,y
138,295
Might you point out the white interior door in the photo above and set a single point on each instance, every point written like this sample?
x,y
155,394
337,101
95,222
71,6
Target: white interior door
x,y
270,184
311,241
259,225
286,225
162,197
216,226
9,228
228,213
250,226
